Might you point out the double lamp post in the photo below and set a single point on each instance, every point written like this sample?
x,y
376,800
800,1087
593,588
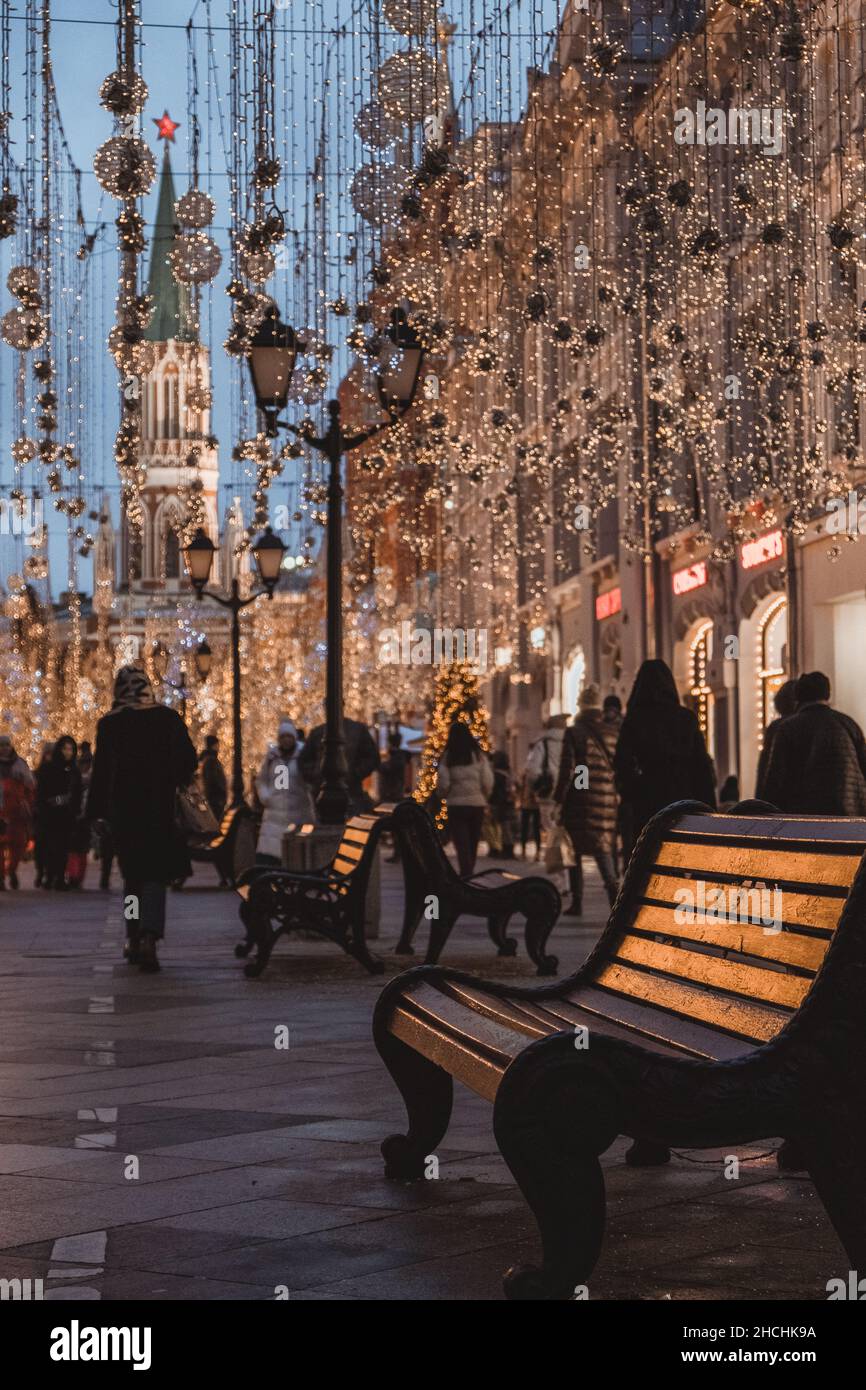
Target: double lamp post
x,y
272,363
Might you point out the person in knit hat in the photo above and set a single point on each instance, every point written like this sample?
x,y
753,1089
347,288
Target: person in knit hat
x,y
586,794
283,792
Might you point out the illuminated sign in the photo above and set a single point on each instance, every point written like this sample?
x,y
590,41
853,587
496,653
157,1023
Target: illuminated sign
x,y
758,552
608,603
694,577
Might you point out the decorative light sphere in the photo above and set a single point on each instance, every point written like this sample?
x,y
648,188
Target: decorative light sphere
x,y
195,259
410,17
23,449
124,167
22,281
195,209
258,266
23,329
375,129
406,84
121,96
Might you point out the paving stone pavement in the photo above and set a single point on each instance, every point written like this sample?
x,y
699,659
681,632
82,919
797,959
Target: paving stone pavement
x,y
155,1144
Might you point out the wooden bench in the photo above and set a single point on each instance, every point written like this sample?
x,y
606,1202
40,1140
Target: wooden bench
x,y
232,849
330,902
428,872
707,1033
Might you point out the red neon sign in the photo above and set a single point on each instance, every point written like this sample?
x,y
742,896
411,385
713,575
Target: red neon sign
x,y
693,577
608,603
764,548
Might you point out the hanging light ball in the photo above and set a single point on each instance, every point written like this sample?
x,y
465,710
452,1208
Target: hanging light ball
x,y
199,398
375,128
23,329
23,449
413,18
130,230
23,282
195,259
124,167
405,82
122,96
258,266
680,193
195,209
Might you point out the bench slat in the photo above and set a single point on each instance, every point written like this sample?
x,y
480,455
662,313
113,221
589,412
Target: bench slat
x,y
754,1022
643,1021
355,837
511,1013
343,866
480,1074
556,1016
753,982
347,851
784,947
798,909
840,832
764,865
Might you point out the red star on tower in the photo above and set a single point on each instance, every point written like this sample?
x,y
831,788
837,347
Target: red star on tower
x,y
165,126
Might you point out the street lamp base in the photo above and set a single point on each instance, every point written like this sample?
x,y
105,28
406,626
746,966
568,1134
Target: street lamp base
x,y
332,806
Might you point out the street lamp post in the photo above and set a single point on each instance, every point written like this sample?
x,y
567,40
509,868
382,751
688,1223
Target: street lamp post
x,y
198,557
272,361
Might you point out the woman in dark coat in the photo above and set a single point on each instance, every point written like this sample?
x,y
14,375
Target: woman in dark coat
x,y
143,754
586,794
58,805
661,755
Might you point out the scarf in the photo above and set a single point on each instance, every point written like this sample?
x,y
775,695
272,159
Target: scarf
x,y
132,689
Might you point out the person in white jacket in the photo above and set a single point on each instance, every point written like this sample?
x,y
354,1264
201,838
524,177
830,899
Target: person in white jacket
x,y
465,779
542,767
283,793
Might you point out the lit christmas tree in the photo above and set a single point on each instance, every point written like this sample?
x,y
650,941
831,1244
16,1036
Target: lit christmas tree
x,y
456,695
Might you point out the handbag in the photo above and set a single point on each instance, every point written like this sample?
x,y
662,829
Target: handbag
x,y
193,816
559,854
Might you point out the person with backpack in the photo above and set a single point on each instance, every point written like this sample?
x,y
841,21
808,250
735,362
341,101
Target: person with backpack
x,y
586,795
817,763
542,767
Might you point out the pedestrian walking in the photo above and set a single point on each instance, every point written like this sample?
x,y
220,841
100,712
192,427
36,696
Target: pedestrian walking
x,y
530,818
392,773
612,711
586,795
464,778
542,767
503,805
143,756
817,762
612,715
283,792
17,791
214,782
661,755
58,806
362,760
38,835
785,704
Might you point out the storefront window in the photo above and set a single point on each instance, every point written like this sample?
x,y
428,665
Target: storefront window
x,y
772,643
573,678
701,698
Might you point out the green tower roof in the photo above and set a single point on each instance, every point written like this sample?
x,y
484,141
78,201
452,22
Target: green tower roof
x,y
170,317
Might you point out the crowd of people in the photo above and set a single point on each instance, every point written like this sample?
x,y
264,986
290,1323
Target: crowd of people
x,y
592,783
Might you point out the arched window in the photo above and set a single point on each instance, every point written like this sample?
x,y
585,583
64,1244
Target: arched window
x,y
172,554
701,697
772,656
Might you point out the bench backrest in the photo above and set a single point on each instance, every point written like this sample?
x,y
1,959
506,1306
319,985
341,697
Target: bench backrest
x,y
725,920
355,852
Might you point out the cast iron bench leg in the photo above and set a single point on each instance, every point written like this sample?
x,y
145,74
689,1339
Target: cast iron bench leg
x,y
835,1153
440,930
497,929
412,913
552,1118
539,925
427,1091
